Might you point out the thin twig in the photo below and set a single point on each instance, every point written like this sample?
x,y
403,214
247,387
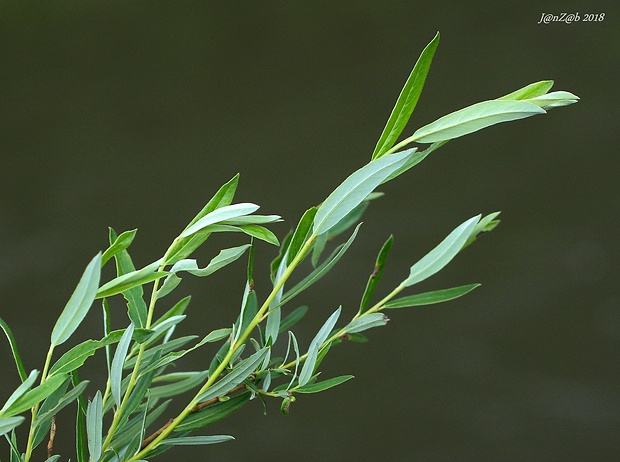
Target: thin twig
x,y
198,407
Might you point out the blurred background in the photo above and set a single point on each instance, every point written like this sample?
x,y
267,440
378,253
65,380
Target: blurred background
x,y
132,114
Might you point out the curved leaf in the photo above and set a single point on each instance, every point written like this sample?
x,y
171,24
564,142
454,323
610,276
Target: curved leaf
x,y
429,298
13,344
474,118
218,215
9,423
441,255
355,189
80,302
407,100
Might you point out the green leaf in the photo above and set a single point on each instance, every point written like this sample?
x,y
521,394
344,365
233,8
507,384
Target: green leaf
x,y
293,318
9,423
272,326
35,396
81,439
177,310
221,214
441,255
53,458
375,277
315,345
223,197
184,247
136,307
474,118
214,413
253,220
76,356
213,336
170,283
197,440
407,100
173,389
80,302
130,280
20,391
321,270
486,224
530,91
94,426
241,371
43,422
116,371
415,159
260,233
13,344
351,219
275,263
301,234
225,257
554,99
122,242
428,298
354,190
367,321
324,385
63,402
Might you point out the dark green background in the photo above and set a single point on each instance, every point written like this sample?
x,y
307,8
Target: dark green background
x,y
131,114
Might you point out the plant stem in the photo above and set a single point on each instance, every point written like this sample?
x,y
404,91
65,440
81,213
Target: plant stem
x,y
134,374
35,409
231,352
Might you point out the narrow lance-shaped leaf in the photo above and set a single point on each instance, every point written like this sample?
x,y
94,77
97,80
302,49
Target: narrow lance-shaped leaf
x,y
136,306
9,423
441,255
429,298
94,426
63,402
122,242
223,213
530,91
225,257
116,371
13,344
212,414
354,190
293,318
272,327
324,385
367,321
321,270
173,389
36,395
240,372
183,247
318,340
197,440
301,234
80,302
130,280
486,224
20,391
554,99
375,277
407,101
474,118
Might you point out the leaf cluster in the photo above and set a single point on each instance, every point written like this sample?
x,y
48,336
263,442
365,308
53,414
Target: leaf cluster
x,y
126,419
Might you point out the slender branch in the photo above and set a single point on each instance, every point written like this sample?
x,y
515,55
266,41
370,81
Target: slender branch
x,y
35,409
198,407
231,352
